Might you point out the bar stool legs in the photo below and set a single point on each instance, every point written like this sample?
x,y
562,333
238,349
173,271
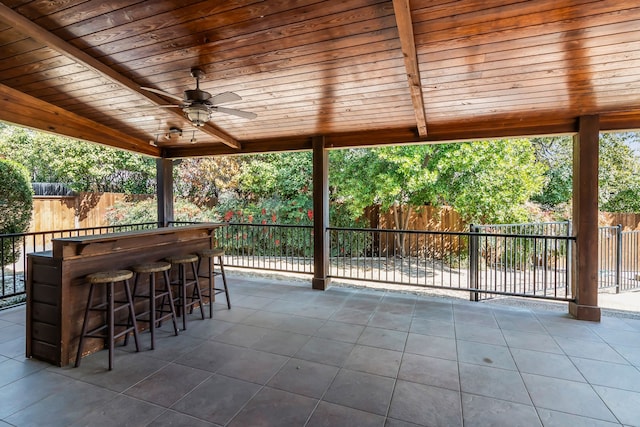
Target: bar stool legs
x,y
109,307
210,255
155,315
184,282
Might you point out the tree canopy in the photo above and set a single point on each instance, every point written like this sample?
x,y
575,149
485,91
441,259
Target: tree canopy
x,y
83,166
485,181
16,205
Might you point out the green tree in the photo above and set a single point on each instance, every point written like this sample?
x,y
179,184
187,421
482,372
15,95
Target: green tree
x,y
485,181
556,154
395,178
83,166
202,180
488,181
16,205
618,178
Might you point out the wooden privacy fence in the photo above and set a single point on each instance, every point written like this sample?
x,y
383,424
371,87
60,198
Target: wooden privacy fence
x,y
422,218
84,210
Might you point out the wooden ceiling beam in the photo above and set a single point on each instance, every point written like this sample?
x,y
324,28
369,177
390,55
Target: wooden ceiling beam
x,y
402,11
25,110
34,31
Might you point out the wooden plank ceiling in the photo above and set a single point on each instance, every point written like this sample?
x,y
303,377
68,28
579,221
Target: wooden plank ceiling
x,y
359,72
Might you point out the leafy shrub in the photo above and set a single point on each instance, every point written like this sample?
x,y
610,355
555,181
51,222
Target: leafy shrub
x,y
146,211
16,205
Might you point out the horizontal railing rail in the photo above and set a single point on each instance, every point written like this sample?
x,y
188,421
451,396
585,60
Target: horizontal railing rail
x,y
481,263
278,247
15,246
487,260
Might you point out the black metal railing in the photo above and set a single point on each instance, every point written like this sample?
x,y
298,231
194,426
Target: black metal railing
x,y
14,247
618,259
481,263
486,260
277,247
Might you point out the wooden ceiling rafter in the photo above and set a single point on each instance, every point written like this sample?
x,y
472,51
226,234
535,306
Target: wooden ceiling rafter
x,y
402,11
37,114
47,38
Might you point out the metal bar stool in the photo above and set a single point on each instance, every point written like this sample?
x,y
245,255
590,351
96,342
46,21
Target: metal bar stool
x,y
110,307
184,282
155,315
210,255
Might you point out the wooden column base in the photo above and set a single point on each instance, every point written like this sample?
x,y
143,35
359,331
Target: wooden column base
x,y
584,312
320,284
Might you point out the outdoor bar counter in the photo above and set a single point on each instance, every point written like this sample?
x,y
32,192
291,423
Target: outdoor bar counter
x,y
57,291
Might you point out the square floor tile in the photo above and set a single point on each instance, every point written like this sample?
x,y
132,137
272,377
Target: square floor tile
x,y
436,328
331,415
253,365
217,399
210,356
378,361
171,418
326,351
352,315
242,335
589,350
383,338
360,390
280,342
531,341
66,406
303,377
129,369
340,331
566,396
398,322
122,410
624,404
551,418
493,382
547,364
607,374
276,408
11,369
430,371
168,385
444,348
480,411
21,393
477,353
426,405
478,333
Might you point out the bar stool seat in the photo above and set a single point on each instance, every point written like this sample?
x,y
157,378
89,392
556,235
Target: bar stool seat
x,y
183,284
155,315
110,307
210,255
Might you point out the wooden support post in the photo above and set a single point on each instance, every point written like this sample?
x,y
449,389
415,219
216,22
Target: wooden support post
x,y
164,190
585,220
320,279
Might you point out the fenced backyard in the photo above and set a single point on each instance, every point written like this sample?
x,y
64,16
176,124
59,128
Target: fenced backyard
x,y
530,260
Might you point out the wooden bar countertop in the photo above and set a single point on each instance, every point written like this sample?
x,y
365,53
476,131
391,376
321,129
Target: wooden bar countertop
x,y
57,291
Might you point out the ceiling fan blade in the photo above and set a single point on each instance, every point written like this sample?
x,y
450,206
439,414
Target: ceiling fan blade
x,y
234,112
223,97
163,93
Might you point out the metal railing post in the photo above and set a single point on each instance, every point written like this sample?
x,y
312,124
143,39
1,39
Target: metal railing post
x,y
618,256
473,262
569,260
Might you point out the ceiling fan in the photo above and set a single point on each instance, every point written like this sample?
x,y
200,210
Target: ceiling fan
x,y
198,104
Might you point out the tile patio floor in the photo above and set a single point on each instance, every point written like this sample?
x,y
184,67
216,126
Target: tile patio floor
x,y
286,355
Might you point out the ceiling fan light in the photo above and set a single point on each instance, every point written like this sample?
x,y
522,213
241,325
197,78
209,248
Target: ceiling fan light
x,y
197,114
